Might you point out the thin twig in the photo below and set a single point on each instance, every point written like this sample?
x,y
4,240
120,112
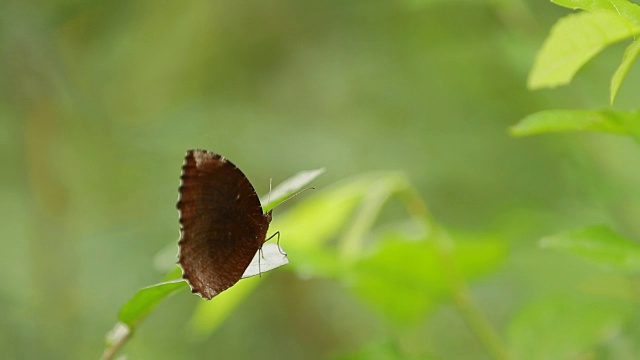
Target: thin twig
x,y
470,312
117,338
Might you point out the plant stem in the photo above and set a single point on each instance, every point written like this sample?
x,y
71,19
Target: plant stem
x,y
371,205
117,338
470,312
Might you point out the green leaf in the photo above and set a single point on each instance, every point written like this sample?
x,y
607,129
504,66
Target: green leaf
x,y
629,57
146,299
607,121
623,7
573,41
564,328
599,244
289,187
138,307
381,350
321,217
404,278
479,256
582,4
588,5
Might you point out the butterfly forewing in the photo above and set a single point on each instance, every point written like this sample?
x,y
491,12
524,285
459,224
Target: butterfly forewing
x,y
222,225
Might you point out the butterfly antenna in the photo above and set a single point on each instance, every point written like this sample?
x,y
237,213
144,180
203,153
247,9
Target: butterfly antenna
x,y
294,195
269,196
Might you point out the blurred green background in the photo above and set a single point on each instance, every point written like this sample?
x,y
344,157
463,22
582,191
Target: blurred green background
x,y
99,100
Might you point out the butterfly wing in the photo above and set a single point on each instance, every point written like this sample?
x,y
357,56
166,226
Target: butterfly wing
x,y
222,225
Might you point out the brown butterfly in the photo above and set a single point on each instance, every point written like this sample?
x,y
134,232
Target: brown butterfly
x,y
222,225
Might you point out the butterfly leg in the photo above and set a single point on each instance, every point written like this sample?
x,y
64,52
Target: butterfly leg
x,y
277,241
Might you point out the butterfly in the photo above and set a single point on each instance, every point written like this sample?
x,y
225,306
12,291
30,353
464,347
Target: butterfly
x,y
222,226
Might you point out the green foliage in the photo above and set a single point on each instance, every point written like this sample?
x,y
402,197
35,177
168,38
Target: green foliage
x,y
405,103
623,7
385,350
605,121
404,277
145,300
569,327
401,274
577,38
404,272
322,217
599,244
582,322
628,58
